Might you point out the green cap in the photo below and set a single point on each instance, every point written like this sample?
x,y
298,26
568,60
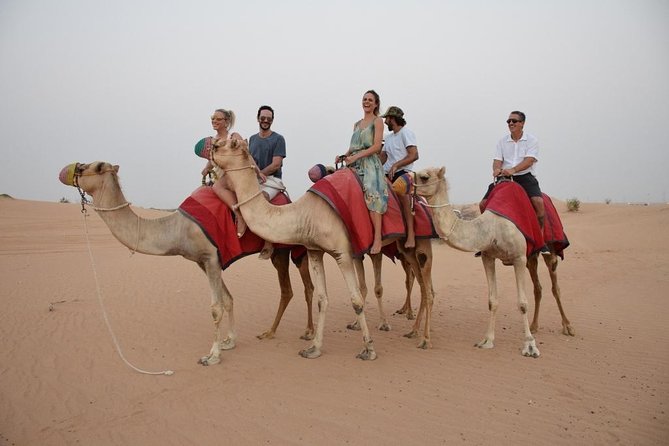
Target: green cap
x,y
394,111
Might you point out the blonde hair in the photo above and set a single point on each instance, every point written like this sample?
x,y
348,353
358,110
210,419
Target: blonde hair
x,y
229,116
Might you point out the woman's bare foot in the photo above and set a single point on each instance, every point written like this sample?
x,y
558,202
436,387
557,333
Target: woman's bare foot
x,y
376,247
410,242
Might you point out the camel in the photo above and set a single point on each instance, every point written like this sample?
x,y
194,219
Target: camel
x,y
311,222
496,238
176,234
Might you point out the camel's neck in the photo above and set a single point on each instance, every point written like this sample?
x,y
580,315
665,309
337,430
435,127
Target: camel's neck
x,y
465,235
148,236
274,223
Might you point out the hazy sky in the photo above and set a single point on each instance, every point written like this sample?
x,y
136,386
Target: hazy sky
x,y
134,83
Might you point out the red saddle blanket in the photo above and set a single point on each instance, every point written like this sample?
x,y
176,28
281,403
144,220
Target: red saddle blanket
x,y
217,222
509,200
342,190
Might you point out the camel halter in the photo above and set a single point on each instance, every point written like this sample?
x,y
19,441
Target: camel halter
x,y
442,205
415,192
84,200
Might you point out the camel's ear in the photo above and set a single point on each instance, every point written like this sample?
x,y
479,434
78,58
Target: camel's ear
x,y
442,172
116,167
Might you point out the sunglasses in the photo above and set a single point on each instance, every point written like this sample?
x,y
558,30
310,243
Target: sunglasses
x,y
265,119
514,121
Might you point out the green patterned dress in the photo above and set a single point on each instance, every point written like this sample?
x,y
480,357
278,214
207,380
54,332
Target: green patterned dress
x,y
369,169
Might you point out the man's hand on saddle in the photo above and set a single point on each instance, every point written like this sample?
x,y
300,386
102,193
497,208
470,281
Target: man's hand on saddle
x,y
262,178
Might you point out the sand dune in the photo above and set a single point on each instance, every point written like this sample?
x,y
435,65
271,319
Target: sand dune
x,y
62,381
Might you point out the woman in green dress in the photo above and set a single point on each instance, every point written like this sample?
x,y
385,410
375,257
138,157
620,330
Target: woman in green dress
x,y
362,156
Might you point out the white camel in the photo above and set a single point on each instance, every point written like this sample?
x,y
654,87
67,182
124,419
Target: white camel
x,y
497,238
311,222
175,234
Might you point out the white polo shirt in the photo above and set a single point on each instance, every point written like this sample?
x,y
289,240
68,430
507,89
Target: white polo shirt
x,y
395,145
511,153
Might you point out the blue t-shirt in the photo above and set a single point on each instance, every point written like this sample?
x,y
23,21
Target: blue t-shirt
x,y
263,150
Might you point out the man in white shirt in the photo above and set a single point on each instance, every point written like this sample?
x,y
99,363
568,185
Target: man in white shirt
x,y
515,156
398,155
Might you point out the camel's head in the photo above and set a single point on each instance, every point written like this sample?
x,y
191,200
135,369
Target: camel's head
x,y
230,153
424,182
86,176
319,171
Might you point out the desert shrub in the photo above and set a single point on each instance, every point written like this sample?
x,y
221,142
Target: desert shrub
x,y
607,201
573,204
63,200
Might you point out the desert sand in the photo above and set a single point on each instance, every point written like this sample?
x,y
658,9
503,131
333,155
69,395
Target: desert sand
x,y
62,381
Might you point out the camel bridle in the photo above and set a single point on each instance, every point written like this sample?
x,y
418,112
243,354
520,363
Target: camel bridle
x,y
429,183
79,172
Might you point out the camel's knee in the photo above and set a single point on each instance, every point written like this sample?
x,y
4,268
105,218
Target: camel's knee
x,y
217,312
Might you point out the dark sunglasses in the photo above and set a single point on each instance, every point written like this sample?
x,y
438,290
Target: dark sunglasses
x,y
515,121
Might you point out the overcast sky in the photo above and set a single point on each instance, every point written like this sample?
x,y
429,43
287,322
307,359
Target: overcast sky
x,y
134,83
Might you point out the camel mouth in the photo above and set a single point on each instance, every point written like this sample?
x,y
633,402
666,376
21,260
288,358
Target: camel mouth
x,y
66,176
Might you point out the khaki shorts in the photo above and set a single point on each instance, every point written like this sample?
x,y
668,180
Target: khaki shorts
x,y
272,186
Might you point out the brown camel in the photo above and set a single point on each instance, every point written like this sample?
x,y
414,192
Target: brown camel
x,y
496,238
311,222
175,234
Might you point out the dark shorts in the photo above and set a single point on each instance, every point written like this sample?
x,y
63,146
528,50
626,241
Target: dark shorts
x,y
527,181
398,174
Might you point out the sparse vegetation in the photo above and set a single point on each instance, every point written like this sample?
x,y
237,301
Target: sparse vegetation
x,y
573,204
607,201
63,200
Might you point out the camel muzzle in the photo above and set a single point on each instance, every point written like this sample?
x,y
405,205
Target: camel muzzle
x,y
66,176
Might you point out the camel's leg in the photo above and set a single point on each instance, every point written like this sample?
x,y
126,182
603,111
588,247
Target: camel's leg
x,y
345,262
221,300
362,283
280,261
377,262
424,258
529,343
416,271
409,277
489,267
551,264
303,268
532,268
318,277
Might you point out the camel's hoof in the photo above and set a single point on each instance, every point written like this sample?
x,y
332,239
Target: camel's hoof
x,y
411,334
424,344
384,326
310,353
531,350
269,334
208,360
228,344
408,313
534,328
486,343
568,330
354,326
308,335
367,354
